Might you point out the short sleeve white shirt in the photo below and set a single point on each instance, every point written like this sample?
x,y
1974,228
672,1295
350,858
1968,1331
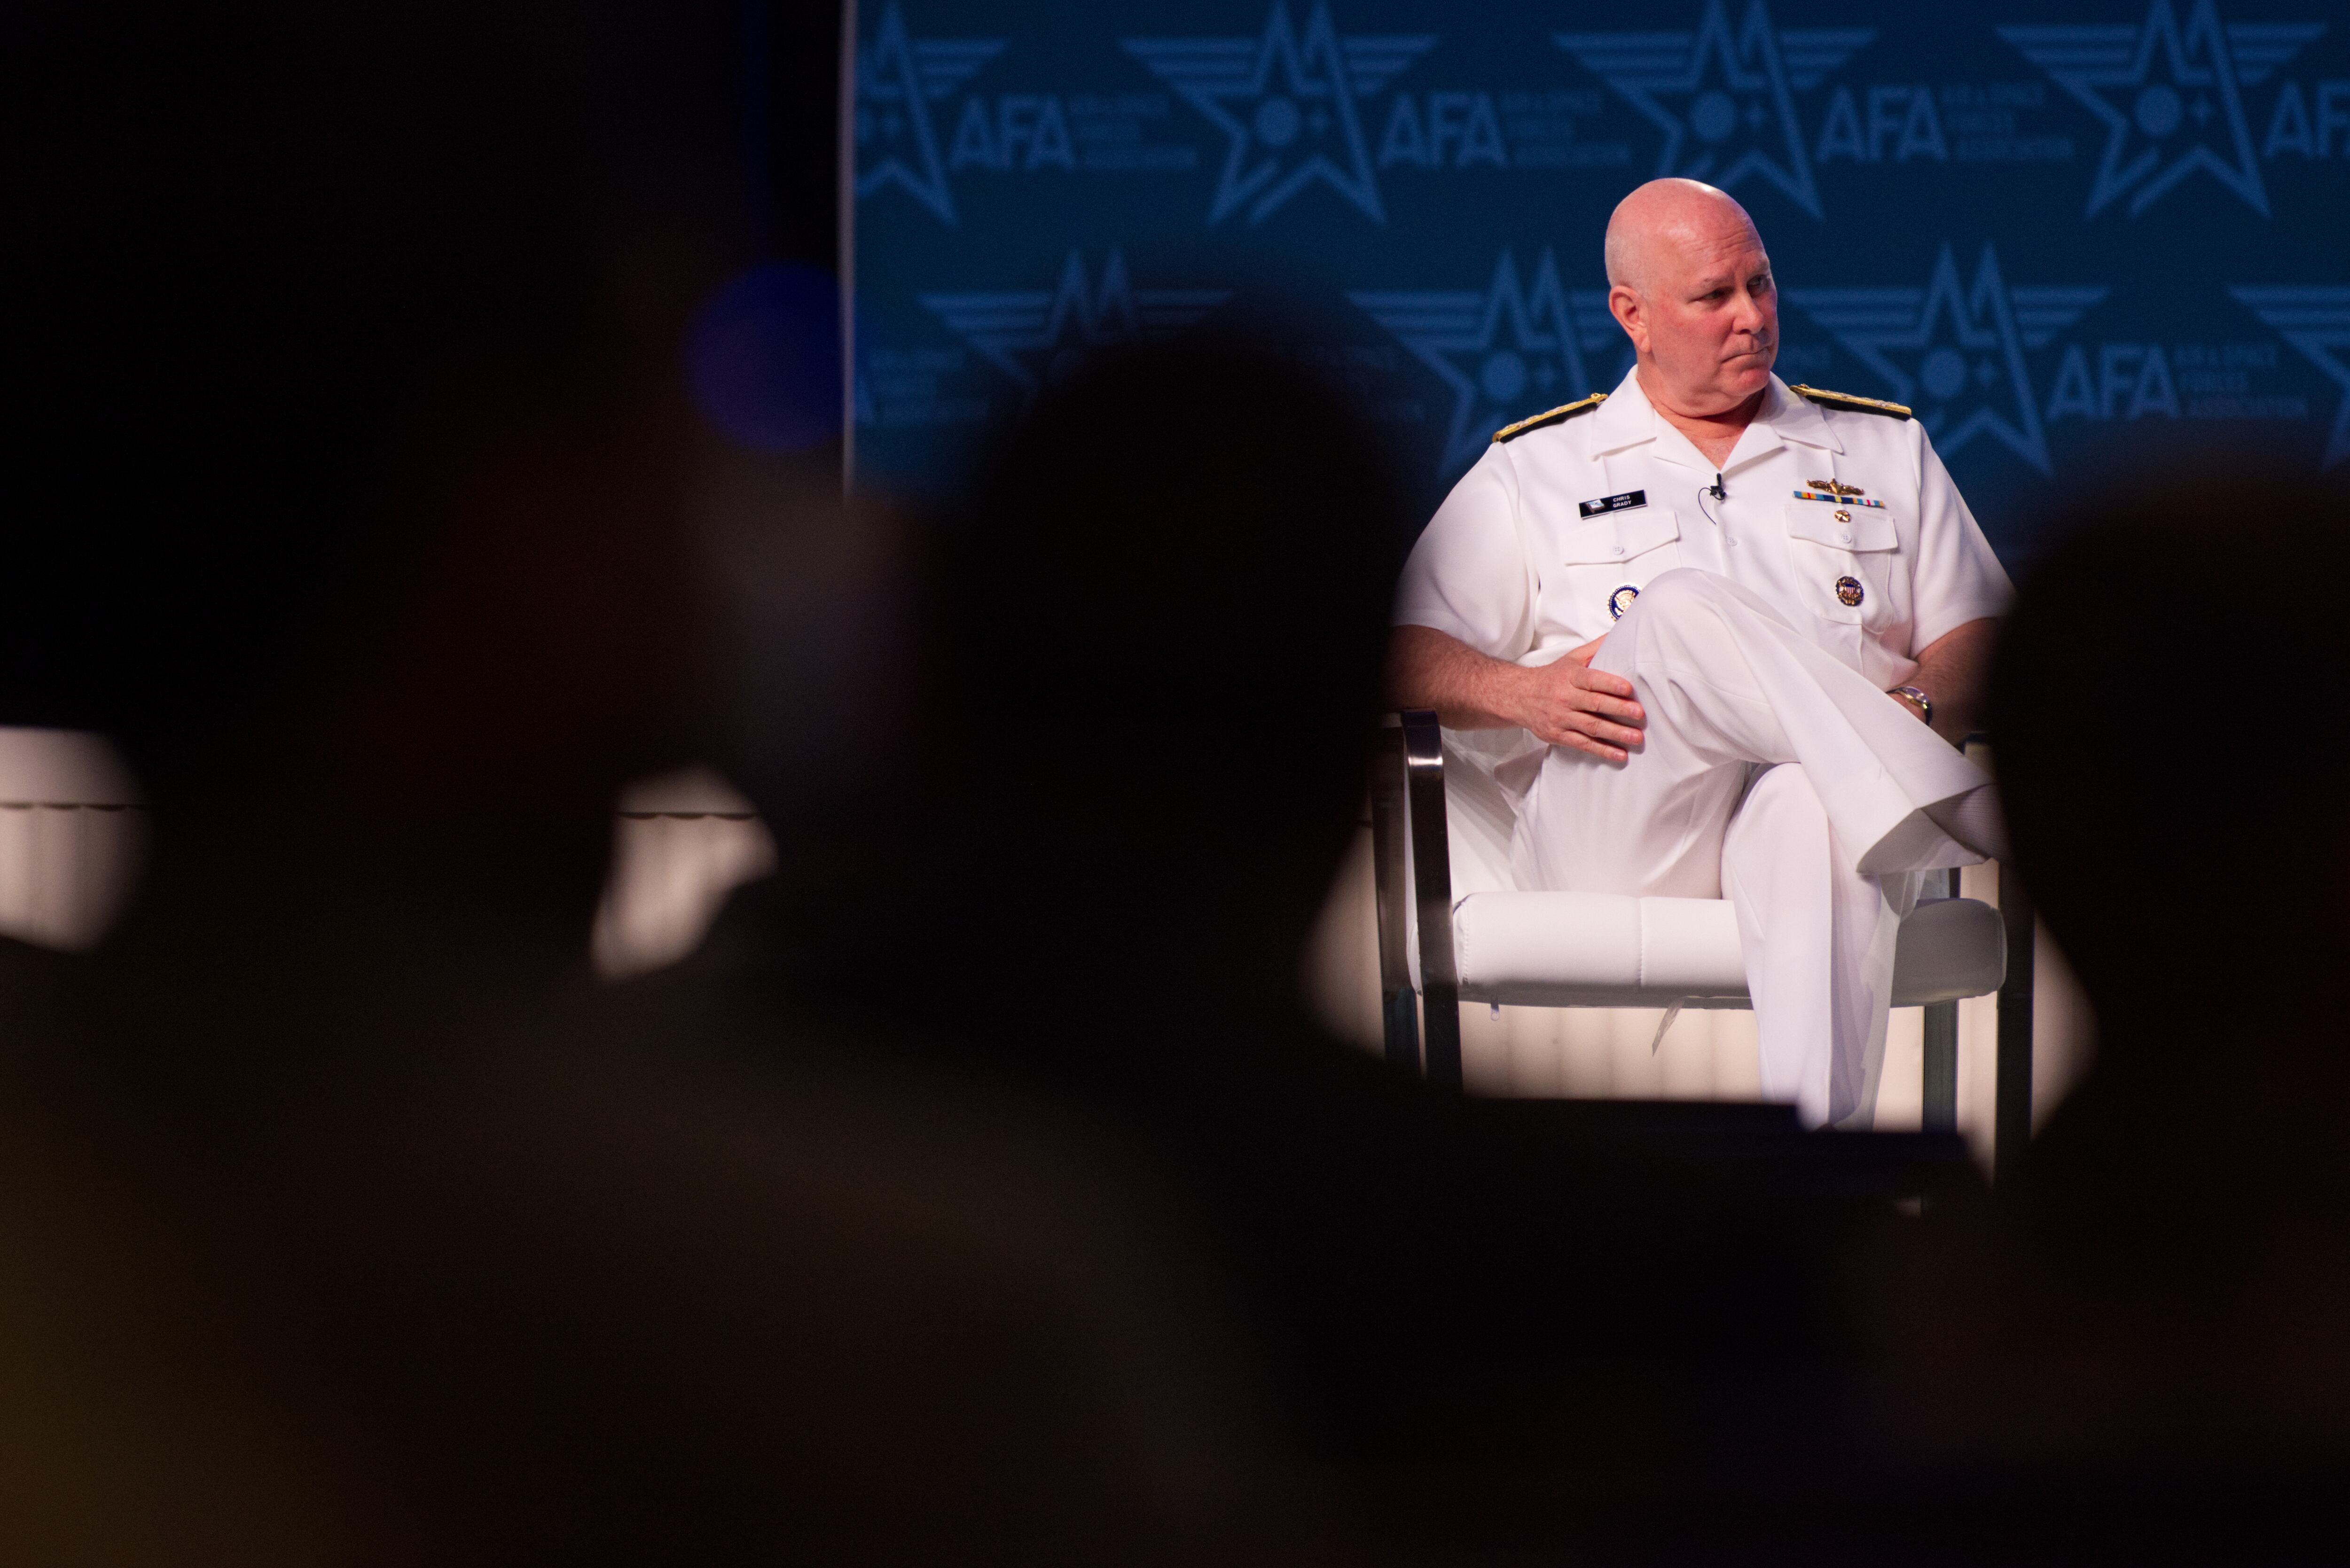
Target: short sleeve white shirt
x,y
1845,521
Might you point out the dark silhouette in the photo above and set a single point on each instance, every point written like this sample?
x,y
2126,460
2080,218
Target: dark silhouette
x,y
981,1190
348,1218
1159,622
2134,1349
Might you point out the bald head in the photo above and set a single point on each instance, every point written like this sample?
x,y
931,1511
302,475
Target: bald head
x,y
1664,219
1690,283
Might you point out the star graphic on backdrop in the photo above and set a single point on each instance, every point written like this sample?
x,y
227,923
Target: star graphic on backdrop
x,y
2170,98
1506,351
1286,105
2316,322
897,80
1040,338
1724,98
1955,352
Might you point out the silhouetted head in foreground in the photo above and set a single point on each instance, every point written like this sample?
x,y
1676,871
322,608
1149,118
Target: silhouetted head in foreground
x,y
2148,1321
1162,618
364,444
2170,737
342,1218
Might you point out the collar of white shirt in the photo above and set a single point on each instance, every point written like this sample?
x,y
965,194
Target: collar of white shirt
x,y
1628,419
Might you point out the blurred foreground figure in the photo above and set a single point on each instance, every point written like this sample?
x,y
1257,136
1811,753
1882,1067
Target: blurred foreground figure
x,y
2140,1348
1155,675
343,1217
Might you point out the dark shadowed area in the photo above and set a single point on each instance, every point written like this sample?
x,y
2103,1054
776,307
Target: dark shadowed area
x,y
982,1190
346,1216
2134,1348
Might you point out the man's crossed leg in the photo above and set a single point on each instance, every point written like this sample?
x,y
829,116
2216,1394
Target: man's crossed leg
x,y
1781,779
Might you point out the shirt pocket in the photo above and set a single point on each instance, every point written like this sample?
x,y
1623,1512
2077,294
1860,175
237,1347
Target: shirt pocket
x,y
1842,558
1596,560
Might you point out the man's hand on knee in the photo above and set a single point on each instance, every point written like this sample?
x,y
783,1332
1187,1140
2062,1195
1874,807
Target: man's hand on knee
x,y
1569,703
1563,703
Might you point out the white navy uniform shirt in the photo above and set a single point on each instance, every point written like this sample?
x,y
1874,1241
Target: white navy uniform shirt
x,y
1524,559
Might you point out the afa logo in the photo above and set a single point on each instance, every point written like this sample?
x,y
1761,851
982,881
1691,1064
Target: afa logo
x,y
1288,104
898,78
1040,338
1955,351
1506,350
1724,97
2172,99
2316,322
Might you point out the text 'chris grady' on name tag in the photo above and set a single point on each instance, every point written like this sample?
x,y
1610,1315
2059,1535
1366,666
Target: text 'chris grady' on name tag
x,y
1624,502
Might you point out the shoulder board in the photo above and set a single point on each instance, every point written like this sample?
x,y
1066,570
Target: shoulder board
x,y
1827,399
1564,411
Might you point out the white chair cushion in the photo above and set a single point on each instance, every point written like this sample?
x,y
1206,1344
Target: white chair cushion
x,y
1600,949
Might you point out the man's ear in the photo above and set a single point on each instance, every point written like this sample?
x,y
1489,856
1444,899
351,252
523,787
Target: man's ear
x,y
1624,304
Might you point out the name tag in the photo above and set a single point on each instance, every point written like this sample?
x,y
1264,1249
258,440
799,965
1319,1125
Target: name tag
x,y
1606,504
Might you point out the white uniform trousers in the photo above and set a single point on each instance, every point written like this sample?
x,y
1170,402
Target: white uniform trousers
x,y
1775,775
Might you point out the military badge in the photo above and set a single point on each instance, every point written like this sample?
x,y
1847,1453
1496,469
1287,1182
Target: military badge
x,y
1849,593
1621,600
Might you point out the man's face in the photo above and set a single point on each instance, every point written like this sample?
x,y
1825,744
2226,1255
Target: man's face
x,y
1706,323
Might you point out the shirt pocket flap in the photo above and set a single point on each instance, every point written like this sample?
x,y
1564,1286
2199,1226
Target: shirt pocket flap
x,y
1871,527
1611,539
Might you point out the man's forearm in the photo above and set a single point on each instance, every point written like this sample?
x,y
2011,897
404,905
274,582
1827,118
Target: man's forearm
x,y
1429,668
1563,703
1951,671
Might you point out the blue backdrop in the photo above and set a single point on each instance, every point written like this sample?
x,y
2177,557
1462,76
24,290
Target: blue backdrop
x,y
2074,234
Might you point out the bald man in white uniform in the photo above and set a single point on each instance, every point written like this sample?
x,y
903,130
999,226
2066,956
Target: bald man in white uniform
x,y
1729,632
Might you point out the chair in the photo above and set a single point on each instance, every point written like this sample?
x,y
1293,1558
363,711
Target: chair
x,y
1585,950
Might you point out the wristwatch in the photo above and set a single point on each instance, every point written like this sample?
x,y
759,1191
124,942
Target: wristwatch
x,y
1916,699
